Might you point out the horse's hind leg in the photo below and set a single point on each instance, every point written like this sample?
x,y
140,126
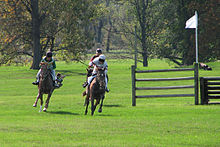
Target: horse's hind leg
x,y
47,102
86,100
100,108
87,104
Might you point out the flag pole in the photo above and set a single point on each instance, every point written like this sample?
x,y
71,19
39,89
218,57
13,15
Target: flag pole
x,y
196,72
196,36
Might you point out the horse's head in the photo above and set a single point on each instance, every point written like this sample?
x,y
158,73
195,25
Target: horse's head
x,y
100,78
44,70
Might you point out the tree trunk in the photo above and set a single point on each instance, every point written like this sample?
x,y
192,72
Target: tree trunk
x,y
99,32
108,40
36,35
109,35
144,44
141,7
145,59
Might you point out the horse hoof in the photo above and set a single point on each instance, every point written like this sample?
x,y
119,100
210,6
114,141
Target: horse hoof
x,y
34,105
44,109
100,110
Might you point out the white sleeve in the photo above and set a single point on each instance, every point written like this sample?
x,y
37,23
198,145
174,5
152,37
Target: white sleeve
x,y
90,63
95,61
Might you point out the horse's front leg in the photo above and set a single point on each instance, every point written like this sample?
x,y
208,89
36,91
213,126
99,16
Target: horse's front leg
x,y
47,102
100,108
96,104
35,103
92,105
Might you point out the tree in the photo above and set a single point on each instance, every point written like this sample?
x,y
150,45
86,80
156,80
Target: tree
x,y
32,27
141,13
208,29
14,37
174,40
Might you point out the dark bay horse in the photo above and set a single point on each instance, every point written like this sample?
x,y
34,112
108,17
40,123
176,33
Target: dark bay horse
x,y
96,91
45,86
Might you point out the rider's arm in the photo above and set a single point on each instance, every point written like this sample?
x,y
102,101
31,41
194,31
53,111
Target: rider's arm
x,y
90,64
54,64
41,62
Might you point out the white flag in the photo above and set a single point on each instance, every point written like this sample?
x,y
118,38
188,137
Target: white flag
x,y
192,22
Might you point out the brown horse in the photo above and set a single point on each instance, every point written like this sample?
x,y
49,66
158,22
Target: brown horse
x,y
46,86
96,91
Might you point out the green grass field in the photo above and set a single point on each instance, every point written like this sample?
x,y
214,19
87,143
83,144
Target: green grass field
x,y
153,122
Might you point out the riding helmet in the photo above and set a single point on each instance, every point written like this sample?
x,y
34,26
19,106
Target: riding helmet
x,y
99,50
49,54
102,58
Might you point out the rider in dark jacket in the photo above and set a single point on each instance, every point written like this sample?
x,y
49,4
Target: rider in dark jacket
x,y
51,65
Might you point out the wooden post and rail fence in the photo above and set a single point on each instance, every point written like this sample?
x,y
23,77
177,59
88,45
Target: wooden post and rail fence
x,y
209,89
194,77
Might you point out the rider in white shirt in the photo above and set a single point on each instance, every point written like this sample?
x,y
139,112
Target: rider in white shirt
x,y
99,62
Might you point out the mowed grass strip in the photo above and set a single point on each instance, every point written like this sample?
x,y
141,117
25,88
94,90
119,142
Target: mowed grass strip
x,y
153,122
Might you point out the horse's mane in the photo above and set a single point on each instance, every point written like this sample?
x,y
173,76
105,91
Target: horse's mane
x,y
46,81
95,87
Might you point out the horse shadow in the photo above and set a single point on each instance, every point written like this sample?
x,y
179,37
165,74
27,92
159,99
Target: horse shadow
x,y
104,115
62,112
113,105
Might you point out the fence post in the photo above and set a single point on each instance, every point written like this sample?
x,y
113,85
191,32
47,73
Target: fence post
x,y
133,77
196,83
202,90
206,100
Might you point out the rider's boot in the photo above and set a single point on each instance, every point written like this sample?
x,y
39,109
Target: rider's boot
x,y
55,84
107,90
59,80
35,82
85,84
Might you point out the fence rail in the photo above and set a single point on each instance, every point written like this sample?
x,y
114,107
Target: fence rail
x,y
207,91
134,80
166,79
168,95
169,87
165,70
